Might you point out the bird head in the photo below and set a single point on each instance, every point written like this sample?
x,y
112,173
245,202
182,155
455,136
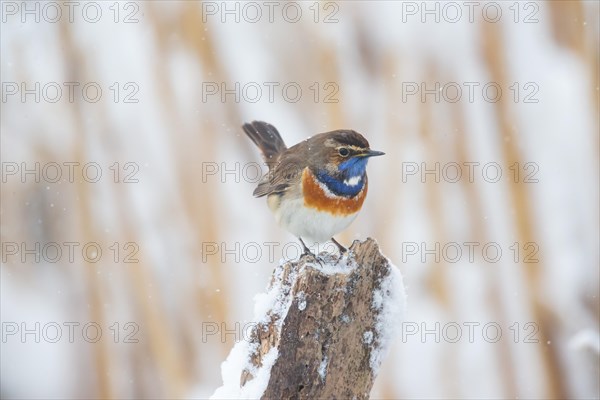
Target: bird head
x,y
345,153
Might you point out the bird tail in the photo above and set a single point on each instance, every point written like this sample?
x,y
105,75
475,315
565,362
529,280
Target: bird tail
x,y
267,139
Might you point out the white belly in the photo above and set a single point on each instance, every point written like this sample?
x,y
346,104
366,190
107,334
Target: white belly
x,y
311,225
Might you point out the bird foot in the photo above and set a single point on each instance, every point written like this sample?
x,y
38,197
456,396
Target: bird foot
x,y
307,252
342,249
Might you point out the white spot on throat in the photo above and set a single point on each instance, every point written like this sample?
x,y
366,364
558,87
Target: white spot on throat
x,y
355,180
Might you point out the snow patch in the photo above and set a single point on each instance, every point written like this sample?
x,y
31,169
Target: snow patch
x,y
390,302
231,370
323,368
343,265
274,304
301,301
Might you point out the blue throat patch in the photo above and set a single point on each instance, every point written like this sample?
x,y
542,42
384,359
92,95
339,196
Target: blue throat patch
x,y
353,168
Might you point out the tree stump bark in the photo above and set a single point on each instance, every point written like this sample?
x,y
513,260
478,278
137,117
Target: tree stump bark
x,y
321,329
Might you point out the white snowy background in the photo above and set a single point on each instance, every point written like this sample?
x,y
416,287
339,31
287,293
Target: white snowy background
x,y
486,326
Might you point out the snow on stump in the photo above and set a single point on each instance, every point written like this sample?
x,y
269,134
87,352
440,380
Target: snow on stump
x,y
321,330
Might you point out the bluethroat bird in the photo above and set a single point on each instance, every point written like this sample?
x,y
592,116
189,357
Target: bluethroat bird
x,y
317,187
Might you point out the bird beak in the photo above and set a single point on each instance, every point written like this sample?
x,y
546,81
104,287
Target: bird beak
x,y
372,153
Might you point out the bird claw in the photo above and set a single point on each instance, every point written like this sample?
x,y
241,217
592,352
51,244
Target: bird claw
x,y
307,252
342,249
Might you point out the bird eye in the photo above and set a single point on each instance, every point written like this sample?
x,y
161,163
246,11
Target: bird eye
x,y
344,152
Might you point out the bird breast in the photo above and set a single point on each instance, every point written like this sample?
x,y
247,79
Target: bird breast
x,y
318,196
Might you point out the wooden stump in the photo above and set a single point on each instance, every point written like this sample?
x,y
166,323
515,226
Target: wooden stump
x,y
323,328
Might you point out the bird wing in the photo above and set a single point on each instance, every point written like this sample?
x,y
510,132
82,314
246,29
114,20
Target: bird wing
x,y
286,174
